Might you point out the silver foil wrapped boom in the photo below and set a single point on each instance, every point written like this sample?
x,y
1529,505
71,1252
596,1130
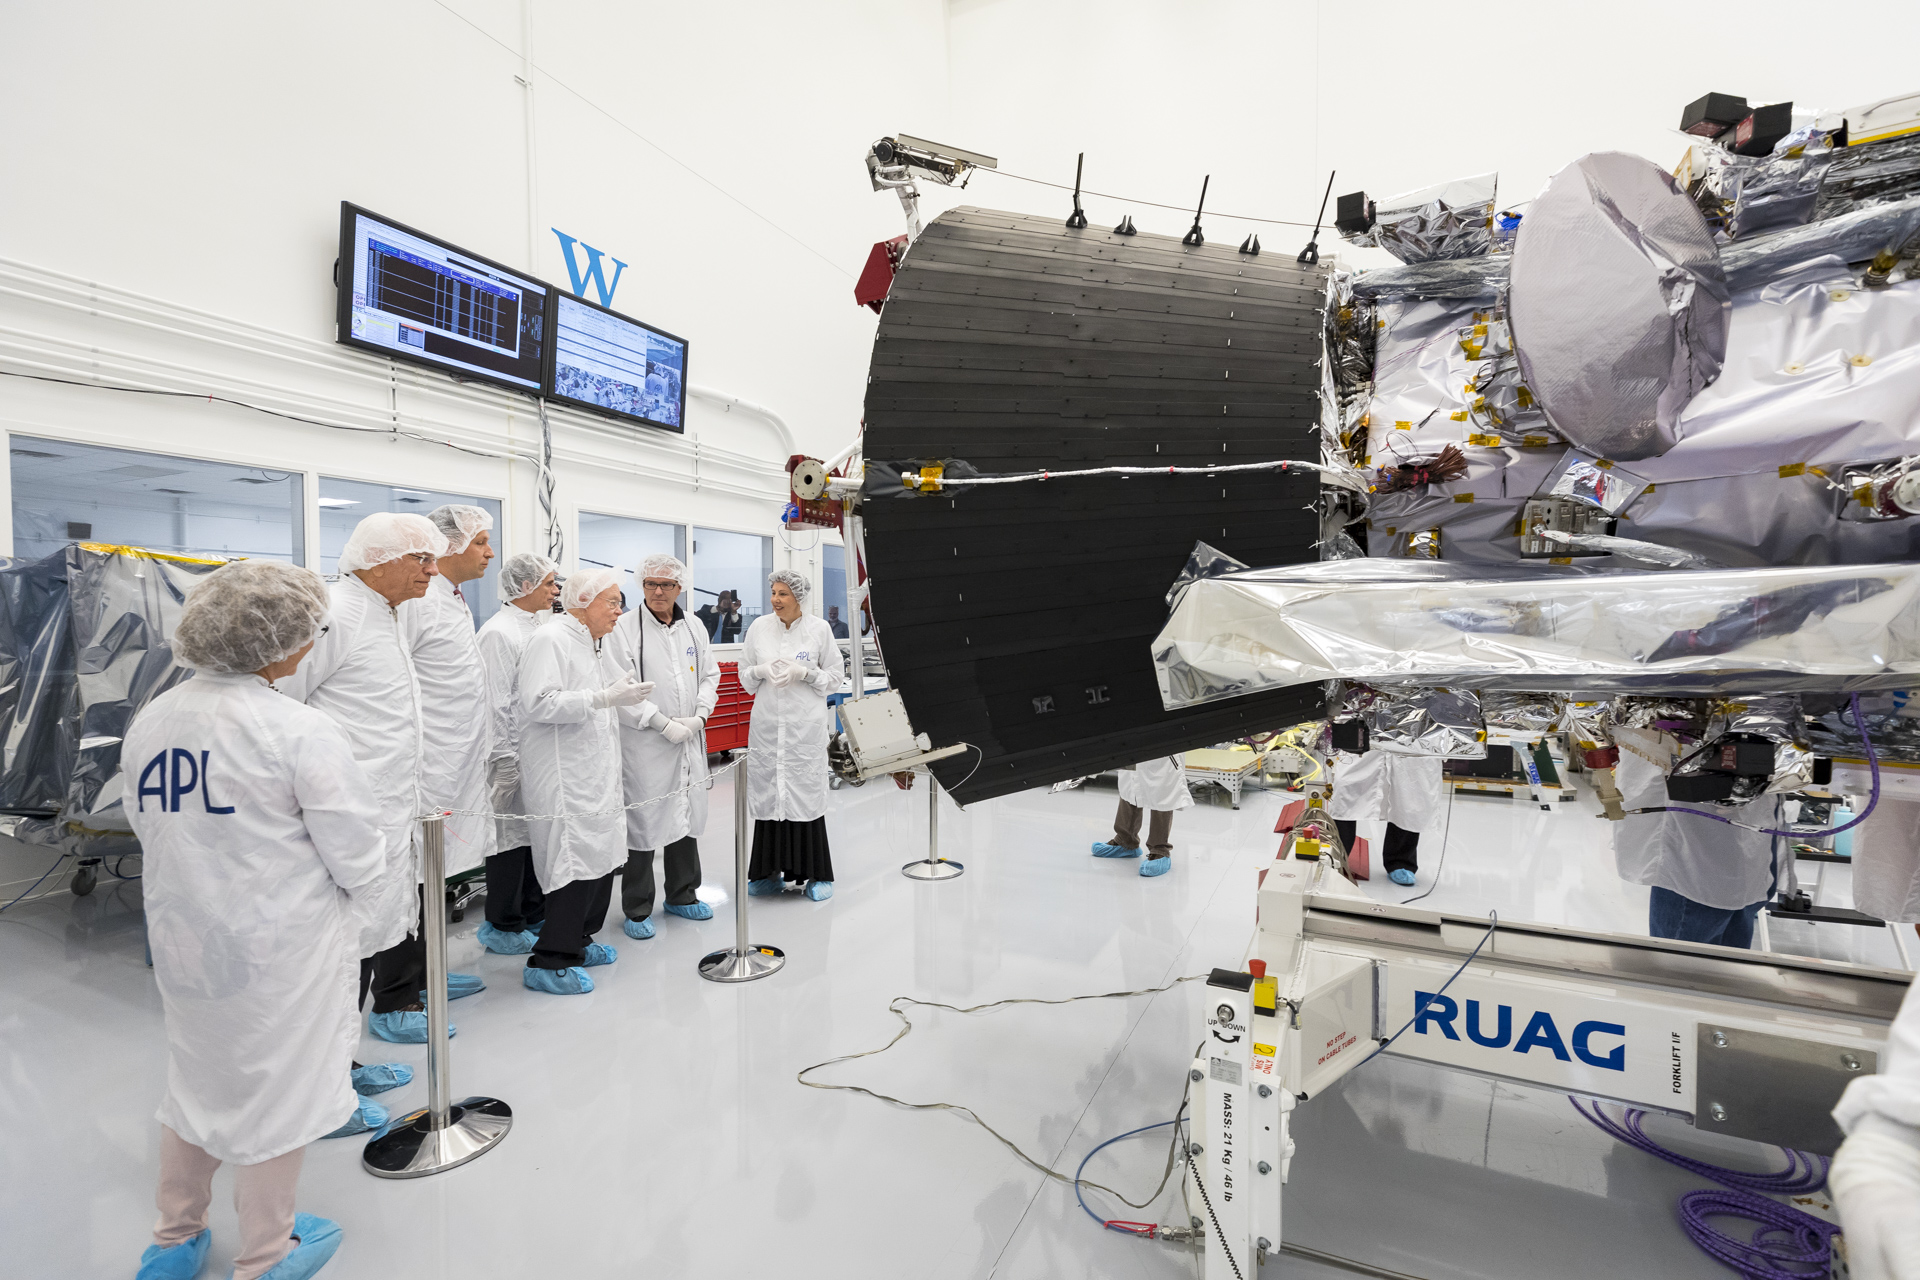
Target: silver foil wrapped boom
x,y
1687,633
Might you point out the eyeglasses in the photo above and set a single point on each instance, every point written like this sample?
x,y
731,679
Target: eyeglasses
x,y
661,586
323,630
423,559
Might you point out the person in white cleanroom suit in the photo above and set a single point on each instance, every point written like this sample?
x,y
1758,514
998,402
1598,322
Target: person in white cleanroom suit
x,y
361,674
570,690
1157,787
663,744
1709,879
790,663
1875,1177
262,836
437,629
516,907
1886,862
1407,791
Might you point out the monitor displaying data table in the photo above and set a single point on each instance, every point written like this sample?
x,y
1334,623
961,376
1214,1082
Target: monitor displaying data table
x,y
606,362
410,296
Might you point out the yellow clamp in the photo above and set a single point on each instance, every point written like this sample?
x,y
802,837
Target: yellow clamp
x,y
925,480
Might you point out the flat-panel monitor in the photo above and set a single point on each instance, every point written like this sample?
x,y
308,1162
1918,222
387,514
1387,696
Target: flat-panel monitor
x,y
411,296
608,363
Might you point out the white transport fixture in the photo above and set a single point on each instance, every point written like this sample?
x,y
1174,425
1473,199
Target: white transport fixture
x,y
1750,1044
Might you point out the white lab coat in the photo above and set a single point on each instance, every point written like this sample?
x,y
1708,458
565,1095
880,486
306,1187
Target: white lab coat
x,y
258,829
787,735
360,674
570,756
678,659
1374,786
1712,863
1159,784
501,642
1886,861
438,628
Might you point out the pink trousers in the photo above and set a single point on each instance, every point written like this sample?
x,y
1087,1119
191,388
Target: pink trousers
x,y
262,1193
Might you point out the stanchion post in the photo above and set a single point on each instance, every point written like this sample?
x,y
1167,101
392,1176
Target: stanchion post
x,y
933,866
445,1133
742,962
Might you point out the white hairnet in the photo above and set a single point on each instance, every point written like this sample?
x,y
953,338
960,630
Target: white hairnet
x,y
388,535
584,587
461,524
522,572
663,566
249,614
796,582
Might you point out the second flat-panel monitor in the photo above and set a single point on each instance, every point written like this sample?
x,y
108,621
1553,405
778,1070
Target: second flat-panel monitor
x,y
604,361
409,296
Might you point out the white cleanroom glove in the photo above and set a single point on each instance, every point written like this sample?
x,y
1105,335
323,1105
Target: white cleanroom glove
x,y
789,673
624,692
694,723
765,670
676,732
1875,1181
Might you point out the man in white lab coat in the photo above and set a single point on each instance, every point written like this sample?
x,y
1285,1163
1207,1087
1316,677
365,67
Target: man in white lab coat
x,y
262,843
1709,879
1875,1177
570,690
1156,787
663,745
1406,791
361,675
516,907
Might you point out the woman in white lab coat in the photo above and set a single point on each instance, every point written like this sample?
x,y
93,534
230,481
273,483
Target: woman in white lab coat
x,y
1156,787
1406,791
790,663
260,833
663,744
515,905
570,778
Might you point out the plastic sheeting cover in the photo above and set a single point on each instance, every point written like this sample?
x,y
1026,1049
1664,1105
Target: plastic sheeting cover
x,y
1619,304
1776,630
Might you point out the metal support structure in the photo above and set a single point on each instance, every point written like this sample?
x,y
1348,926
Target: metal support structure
x,y
857,650
742,962
933,866
443,1134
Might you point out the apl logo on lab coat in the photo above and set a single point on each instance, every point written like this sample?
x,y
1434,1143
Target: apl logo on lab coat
x,y
169,790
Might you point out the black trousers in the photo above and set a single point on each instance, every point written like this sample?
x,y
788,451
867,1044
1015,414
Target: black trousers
x,y
514,900
398,975
1401,848
575,912
683,878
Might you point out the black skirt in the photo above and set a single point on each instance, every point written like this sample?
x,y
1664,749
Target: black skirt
x,y
796,850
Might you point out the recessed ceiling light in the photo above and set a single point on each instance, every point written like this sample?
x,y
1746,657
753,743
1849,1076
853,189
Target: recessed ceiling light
x,y
160,490
252,480
334,503
141,471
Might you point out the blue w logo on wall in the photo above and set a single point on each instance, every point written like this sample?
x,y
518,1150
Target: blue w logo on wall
x,y
592,272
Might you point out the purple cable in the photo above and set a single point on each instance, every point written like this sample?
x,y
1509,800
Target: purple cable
x,y
1873,763
1785,1237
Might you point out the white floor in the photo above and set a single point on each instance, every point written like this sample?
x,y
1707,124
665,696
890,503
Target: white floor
x,y
659,1129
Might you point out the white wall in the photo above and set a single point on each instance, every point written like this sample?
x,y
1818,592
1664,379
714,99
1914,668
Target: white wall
x,y
174,177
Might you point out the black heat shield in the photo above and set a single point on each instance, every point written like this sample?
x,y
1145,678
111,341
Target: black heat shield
x,y
1019,617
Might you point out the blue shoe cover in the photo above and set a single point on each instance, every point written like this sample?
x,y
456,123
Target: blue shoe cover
x,y
1115,851
637,928
599,953
459,986
558,982
536,926
379,1077
175,1262
819,890
318,1237
1400,875
1157,866
765,888
369,1116
502,943
692,911
404,1026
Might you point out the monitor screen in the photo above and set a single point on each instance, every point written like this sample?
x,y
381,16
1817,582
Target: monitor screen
x,y
412,297
604,361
